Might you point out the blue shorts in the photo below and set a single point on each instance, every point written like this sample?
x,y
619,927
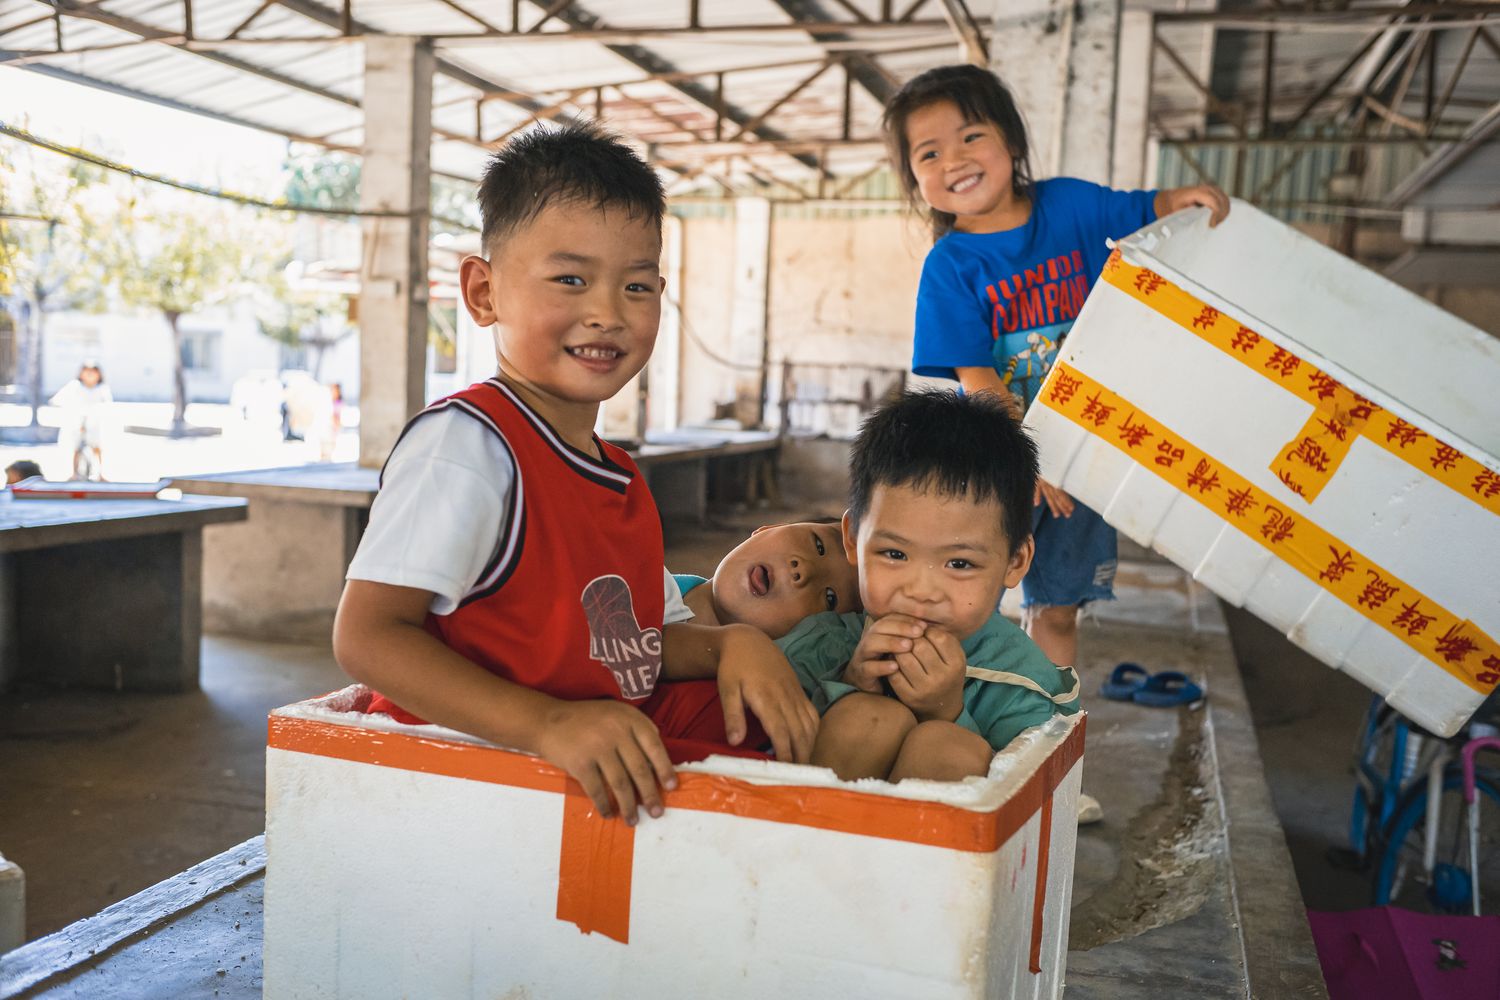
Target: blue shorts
x,y
1075,559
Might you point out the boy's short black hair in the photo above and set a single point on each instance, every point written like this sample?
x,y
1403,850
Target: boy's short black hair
x,y
578,162
25,468
939,441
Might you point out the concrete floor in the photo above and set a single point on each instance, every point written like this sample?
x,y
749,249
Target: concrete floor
x,y
106,794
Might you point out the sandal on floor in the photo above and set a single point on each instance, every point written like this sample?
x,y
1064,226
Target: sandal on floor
x,y
1168,689
1124,682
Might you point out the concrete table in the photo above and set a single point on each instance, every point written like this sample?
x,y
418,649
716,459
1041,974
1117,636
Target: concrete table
x,y
104,593
280,574
680,465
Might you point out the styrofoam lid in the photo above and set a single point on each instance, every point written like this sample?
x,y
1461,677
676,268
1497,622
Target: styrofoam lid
x,y
1406,354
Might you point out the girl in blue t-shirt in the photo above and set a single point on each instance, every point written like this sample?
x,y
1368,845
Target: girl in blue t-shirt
x,y
1012,263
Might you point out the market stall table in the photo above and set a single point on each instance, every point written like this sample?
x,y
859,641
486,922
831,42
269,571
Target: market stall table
x,y
104,593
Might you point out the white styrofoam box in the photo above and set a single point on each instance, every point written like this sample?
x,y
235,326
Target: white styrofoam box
x,y
413,861
1309,440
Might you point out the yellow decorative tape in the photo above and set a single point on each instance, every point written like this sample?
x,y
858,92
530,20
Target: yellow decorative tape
x,y
1453,643
1331,400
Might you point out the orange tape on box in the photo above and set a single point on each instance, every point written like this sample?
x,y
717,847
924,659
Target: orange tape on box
x,y
596,854
1439,635
1307,462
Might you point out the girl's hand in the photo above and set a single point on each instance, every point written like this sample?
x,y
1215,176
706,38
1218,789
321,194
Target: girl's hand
x,y
1209,196
1058,502
874,657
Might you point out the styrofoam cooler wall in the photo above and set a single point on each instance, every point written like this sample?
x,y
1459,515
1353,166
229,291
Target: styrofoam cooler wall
x,y
1309,440
414,862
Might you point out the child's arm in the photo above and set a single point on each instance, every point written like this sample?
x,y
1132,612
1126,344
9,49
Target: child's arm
x,y
610,748
1211,197
752,673
986,379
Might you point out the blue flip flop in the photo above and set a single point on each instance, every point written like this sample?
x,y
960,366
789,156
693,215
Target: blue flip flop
x,y
1167,689
1125,680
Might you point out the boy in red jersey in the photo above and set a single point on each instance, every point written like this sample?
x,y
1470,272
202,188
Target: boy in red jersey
x,y
511,582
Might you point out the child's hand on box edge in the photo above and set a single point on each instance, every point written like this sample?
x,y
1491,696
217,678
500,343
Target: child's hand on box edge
x,y
929,680
755,674
1210,196
612,750
874,657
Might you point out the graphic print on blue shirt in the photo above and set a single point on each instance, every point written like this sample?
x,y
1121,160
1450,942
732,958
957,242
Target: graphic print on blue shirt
x,y
1007,300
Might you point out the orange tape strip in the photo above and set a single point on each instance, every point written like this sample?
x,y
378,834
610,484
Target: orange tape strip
x,y
1439,635
596,855
595,865
1039,901
1328,396
835,809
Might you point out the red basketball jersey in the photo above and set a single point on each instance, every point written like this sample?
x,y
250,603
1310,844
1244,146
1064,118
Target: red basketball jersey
x,y
571,603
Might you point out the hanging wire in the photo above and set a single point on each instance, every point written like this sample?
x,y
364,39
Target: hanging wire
x,y
279,205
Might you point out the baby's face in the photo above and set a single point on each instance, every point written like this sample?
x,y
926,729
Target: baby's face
x,y
942,559
781,574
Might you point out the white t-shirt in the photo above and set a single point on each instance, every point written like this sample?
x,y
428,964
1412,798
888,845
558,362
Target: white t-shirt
x,y
435,523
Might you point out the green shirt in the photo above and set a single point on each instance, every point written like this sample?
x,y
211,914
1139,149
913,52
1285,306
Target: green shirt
x,y
1011,685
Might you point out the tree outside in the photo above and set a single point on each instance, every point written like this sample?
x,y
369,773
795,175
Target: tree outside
x,y
52,254
181,259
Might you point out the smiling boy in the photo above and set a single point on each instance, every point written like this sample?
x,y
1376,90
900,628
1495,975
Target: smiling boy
x,y
511,582
931,680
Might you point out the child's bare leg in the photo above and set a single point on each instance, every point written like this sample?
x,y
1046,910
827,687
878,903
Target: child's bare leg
x,y
861,735
942,751
1055,629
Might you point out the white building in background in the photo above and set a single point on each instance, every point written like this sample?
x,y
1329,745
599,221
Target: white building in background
x,y
222,344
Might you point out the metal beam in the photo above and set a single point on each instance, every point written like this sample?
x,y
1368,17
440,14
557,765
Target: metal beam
x,y
151,33
580,20
970,38
865,70
754,123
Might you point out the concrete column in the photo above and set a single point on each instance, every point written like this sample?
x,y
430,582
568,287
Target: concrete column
x,y
747,323
1058,58
396,177
1133,100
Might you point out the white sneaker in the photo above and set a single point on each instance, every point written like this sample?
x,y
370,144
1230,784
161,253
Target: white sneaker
x,y
1089,810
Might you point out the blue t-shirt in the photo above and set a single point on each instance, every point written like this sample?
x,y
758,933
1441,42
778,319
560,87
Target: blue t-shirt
x,y
1007,299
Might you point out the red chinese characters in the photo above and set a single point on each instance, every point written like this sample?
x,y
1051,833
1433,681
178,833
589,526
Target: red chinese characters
x,y
1283,362
1412,619
1206,319
1377,591
1241,502
1132,433
1323,385
1285,475
1063,388
1491,672
1336,428
1363,409
1278,526
1453,646
1486,484
1097,411
1168,454
1445,457
1340,566
1245,340
1204,478
1404,433
1311,454
1147,282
